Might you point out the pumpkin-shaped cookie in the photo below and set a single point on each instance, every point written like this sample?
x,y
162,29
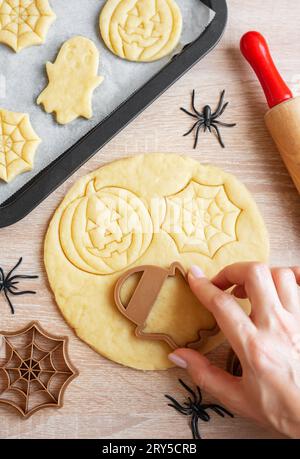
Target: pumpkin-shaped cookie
x,y
141,30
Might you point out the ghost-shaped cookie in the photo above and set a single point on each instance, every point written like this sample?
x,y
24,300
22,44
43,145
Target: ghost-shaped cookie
x,y
72,79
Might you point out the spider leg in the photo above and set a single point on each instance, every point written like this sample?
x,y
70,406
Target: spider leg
x,y
9,302
179,411
13,269
220,113
216,410
193,105
195,428
219,108
175,402
225,124
199,395
26,292
226,411
218,135
1,279
191,130
197,135
14,283
22,276
186,387
220,410
188,113
191,403
11,286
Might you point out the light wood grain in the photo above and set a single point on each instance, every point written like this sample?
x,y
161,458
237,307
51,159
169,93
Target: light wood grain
x,y
283,124
107,400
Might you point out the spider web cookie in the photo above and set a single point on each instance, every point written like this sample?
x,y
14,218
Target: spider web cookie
x,y
18,144
24,23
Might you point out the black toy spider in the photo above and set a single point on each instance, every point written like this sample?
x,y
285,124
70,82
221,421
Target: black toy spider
x,y
207,119
8,284
196,409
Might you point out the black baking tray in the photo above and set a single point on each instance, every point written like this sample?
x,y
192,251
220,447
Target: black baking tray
x,y
45,182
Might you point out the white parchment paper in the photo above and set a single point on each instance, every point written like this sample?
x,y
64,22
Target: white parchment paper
x,y
23,77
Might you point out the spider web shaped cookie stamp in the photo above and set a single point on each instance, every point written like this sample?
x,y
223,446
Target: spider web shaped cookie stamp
x,y
18,144
24,23
201,219
35,371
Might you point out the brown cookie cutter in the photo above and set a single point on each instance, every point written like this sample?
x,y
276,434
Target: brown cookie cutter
x,y
144,298
35,370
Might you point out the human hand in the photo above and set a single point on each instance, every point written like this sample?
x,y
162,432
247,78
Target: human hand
x,y
267,343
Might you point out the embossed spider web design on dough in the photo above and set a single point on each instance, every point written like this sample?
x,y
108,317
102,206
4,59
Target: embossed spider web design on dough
x,y
201,219
31,370
24,22
17,144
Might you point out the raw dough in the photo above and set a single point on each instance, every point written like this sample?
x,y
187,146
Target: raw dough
x,y
24,23
18,144
141,30
72,80
121,216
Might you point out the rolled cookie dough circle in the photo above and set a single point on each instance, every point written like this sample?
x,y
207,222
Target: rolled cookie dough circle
x,y
141,30
147,210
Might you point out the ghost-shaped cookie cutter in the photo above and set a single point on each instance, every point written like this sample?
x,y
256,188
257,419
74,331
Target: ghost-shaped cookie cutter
x,y
144,298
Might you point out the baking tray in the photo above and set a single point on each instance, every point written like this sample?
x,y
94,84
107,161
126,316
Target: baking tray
x,y
45,182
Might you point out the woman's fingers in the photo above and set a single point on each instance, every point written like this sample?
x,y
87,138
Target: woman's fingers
x,y
287,289
285,280
239,292
296,271
230,317
220,384
257,281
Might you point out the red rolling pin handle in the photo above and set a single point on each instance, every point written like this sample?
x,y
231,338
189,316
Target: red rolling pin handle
x,y
255,49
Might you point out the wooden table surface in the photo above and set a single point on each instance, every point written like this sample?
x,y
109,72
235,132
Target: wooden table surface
x,y
107,400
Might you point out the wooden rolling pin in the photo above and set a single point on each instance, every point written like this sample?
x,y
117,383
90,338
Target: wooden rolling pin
x,y
283,118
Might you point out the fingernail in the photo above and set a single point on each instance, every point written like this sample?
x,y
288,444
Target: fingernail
x,y
197,272
177,360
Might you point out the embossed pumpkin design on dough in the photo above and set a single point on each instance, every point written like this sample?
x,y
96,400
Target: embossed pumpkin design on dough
x,y
113,230
24,23
141,30
72,80
148,210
